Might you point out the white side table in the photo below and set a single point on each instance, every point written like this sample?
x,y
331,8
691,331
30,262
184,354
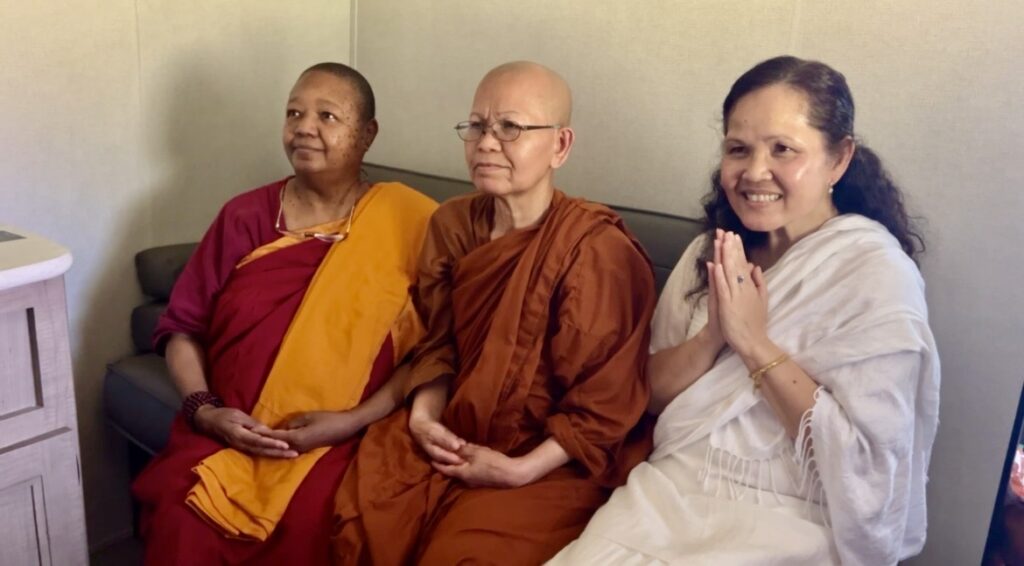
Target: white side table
x,y
42,518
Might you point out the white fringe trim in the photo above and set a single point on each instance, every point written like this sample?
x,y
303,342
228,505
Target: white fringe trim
x,y
809,479
737,476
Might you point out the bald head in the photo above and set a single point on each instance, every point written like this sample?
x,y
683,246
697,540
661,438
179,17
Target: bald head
x,y
538,101
542,89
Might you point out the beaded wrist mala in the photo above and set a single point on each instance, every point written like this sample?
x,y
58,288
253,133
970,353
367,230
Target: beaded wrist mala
x,y
192,403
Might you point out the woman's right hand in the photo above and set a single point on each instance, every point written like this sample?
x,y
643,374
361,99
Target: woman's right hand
x,y
714,326
240,431
742,299
440,444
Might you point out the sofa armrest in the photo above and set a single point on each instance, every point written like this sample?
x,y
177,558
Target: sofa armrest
x,y
140,400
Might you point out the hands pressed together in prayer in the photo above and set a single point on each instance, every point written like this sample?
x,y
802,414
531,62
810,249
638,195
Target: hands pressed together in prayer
x,y
738,311
300,433
737,297
737,305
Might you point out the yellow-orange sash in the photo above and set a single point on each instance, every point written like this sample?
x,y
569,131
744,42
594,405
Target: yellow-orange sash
x,y
359,294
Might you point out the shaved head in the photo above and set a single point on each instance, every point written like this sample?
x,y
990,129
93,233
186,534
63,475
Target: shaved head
x,y
546,89
367,103
535,99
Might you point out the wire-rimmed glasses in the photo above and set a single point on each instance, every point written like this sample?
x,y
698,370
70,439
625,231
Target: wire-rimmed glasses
x,y
503,130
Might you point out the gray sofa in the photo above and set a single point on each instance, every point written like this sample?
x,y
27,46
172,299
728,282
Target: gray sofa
x,y
140,399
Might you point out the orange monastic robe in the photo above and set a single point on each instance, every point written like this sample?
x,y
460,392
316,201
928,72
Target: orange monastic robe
x,y
545,332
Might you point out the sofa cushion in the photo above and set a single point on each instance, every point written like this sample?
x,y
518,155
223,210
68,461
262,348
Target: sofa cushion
x,y
437,188
664,236
157,268
144,319
140,400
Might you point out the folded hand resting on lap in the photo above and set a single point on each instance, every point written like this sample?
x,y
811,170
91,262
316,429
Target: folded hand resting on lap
x,y
315,429
241,432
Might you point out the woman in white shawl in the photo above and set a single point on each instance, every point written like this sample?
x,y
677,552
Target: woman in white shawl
x,y
793,368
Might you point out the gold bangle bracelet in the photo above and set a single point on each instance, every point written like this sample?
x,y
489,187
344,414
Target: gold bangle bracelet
x,y
757,374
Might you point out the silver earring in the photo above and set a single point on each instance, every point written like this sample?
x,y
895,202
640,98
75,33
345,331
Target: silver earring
x,y
831,189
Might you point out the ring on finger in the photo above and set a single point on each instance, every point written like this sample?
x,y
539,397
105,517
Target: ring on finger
x,y
739,280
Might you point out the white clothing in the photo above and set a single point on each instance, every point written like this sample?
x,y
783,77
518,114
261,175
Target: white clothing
x,y
725,485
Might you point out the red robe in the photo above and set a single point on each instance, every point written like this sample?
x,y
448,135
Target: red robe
x,y
241,316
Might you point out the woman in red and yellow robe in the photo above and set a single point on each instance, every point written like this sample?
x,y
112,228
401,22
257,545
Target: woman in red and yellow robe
x,y
296,332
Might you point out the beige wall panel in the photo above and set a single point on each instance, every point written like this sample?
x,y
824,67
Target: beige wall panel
x,y
645,105
214,81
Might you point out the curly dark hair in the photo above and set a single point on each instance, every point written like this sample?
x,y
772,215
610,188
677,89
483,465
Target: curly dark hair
x,y
866,188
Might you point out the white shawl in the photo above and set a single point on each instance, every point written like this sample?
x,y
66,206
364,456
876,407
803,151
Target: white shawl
x,y
843,301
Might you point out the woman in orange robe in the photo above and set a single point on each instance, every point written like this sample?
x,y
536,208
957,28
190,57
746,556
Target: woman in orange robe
x,y
529,383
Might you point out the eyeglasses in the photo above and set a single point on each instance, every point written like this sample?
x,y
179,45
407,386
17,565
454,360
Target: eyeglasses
x,y
323,237
503,130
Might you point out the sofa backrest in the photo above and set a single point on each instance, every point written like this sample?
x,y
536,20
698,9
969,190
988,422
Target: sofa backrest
x,y
664,236
157,269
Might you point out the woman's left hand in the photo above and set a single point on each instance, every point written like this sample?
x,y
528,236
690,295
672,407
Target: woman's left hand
x,y
314,429
742,296
484,467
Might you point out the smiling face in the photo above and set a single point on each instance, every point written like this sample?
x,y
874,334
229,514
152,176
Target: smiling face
x,y
525,95
323,132
776,167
